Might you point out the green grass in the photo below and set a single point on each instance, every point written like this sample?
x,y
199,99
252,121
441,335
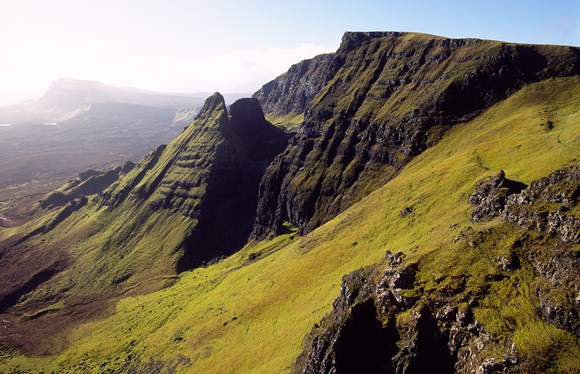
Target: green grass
x,y
252,316
288,123
49,309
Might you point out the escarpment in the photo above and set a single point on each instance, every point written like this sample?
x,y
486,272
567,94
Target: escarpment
x,y
382,99
292,91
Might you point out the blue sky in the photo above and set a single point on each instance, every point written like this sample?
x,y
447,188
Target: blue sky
x,y
232,46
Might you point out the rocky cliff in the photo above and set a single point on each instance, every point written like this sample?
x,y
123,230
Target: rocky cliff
x,y
389,319
382,99
363,333
292,91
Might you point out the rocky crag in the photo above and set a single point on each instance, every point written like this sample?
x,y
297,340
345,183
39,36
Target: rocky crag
x,y
386,321
381,99
547,205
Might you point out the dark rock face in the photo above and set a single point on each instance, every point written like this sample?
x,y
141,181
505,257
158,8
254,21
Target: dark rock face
x,y
292,91
547,205
490,196
558,293
361,335
387,97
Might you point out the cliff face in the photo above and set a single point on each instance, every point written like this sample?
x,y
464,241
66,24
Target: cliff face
x,y
383,99
292,91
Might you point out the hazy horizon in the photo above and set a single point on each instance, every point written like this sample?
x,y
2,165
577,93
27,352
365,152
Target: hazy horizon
x,y
182,46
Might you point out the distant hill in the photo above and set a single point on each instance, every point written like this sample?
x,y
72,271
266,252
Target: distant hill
x,y
69,98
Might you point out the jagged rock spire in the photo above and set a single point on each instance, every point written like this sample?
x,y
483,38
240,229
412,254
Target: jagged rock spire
x,y
213,103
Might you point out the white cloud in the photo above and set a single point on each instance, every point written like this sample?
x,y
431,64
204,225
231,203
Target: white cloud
x,y
235,71
31,73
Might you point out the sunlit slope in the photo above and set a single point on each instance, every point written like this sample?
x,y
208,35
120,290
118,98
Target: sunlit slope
x,y
251,313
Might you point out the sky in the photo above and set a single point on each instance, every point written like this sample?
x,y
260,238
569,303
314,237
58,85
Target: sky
x,y
232,46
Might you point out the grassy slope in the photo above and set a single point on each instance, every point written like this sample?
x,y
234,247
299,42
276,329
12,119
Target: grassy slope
x,y
252,317
289,122
118,249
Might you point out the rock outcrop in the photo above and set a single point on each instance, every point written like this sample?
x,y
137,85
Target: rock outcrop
x,y
548,205
383,99
558,289
362,333
490,196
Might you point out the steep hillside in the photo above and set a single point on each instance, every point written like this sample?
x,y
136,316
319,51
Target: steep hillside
x,y
382,99
443,290
132,229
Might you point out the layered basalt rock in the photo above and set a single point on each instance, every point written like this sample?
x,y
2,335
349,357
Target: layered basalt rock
x,y
209,175
384,98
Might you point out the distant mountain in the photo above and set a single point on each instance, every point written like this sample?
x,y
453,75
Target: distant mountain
x,y
69,98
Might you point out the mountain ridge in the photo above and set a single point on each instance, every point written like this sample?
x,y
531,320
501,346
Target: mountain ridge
x,y
401,264
391,96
